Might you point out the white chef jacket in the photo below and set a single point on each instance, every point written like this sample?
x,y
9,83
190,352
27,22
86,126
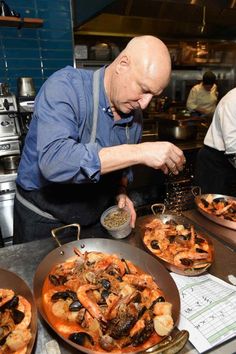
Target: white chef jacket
x,y
199,98
221,134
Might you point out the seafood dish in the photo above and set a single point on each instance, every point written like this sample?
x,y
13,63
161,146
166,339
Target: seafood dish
x,y
18,315
181,247
15,318
219,208
106,303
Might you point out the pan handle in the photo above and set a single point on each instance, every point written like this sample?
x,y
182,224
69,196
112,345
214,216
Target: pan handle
x,y
169,345
196,190
158,205
54,232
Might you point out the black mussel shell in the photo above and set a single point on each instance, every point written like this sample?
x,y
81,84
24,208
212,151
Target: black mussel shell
x,y
81,338
204,202
75,306
186,262
106,284
105,294
10,304
199,240
17,316
64,295
200,250
155,245
220,200
3,339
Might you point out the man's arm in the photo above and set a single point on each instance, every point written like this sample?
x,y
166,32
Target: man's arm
x,y
158,155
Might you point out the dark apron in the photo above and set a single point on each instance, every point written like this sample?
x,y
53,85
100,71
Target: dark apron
x,y
75,203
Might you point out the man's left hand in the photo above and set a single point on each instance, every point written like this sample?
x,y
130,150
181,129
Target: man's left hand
x,y
124,201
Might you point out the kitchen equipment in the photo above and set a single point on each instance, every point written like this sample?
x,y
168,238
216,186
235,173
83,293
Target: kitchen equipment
x,y
10,280
123,250
178,127
9,125
120,231
216,219
179,220
4,90
25,87
10,163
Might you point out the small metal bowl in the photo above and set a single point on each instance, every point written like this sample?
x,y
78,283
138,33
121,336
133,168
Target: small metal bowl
x,y
118,232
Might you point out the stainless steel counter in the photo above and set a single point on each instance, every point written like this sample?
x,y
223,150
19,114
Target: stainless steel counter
x,y
23,259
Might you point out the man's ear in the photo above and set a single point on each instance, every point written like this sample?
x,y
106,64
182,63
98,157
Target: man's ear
x,y
123,64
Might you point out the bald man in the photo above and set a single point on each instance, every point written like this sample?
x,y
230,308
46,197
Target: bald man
x,y
84,136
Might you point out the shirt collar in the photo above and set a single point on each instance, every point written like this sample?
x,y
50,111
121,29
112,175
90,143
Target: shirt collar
x,y
104,102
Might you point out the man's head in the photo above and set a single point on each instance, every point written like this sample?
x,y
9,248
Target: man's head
x,y
142,70
208,80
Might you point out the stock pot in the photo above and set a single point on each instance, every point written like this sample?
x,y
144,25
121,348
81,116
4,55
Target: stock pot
x,y
178,127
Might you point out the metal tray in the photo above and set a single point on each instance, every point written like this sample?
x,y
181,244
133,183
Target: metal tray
x,y
216,219
141,258
10,280
179,219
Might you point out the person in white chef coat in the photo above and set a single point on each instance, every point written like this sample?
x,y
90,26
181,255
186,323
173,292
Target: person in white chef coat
x,y
216,161
202,98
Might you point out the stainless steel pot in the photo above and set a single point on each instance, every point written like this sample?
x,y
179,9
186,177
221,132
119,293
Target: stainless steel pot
x,y
10,163
186,132
172,126
25,87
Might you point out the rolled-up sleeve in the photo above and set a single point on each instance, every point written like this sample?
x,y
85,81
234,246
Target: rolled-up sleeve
x,y
62,157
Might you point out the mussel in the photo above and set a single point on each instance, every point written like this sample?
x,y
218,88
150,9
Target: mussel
x,y
81,338
106,284
17,316
220,200
200,250
75,306
12,303
204,202
64,295
155,245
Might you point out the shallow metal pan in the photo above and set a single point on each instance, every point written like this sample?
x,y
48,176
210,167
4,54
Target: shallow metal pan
x,y
216,219
123,250
179,219
10,280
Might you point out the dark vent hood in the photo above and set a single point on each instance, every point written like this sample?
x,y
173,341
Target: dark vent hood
x,y
183,19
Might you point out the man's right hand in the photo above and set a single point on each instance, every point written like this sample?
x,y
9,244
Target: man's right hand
x,y
162,155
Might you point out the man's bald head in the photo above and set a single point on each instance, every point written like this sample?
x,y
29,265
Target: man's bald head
x,y
151,56
140,71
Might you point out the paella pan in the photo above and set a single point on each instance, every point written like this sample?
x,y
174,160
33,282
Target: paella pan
x,y
19,307
221,209
124,251
181,247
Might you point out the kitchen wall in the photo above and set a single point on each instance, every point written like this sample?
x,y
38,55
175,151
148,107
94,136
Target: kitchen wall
x,y
36,52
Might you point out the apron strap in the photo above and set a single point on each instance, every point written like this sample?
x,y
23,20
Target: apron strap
x,y
32,207
96,84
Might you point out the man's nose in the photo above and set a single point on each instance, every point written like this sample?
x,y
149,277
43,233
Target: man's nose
x,y
145,100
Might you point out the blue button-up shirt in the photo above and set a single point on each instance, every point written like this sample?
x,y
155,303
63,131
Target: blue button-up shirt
x,y
57,147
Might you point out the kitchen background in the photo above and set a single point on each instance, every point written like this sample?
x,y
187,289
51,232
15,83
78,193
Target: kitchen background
x,y
45,36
